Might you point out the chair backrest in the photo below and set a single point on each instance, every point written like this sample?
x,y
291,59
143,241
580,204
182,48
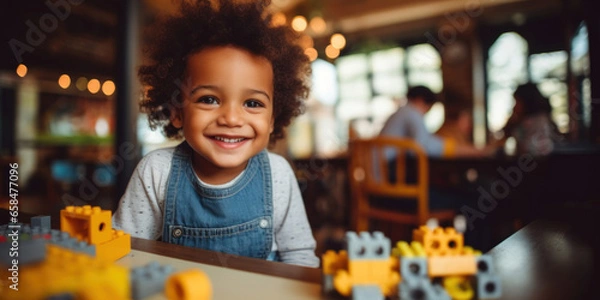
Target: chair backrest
x,y
371,171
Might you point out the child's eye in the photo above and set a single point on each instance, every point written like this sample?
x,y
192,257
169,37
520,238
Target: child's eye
x,y
254,104
207,100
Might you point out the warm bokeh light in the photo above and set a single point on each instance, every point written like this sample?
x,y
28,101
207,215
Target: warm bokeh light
x,y
278,19
21,70
93,86
299,23
311,53
64,81
108,87
332,52
81,83
306,41
318,25
338,41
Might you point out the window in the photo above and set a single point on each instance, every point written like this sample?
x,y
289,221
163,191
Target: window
x,y
507,68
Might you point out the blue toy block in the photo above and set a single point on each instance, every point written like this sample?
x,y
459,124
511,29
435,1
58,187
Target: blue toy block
x,y
64,240
41,221
366,292
488,286
148,280
367,246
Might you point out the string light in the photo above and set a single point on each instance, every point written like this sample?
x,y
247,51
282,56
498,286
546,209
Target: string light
x,y
81,83
311,53
64,81
299,23
306,41
278,19
338,41
318,25
332,52
93,86
108,87
21,70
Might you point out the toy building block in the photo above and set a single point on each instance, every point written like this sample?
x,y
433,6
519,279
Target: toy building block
x,y
485,264
413,261
148,280
25,251
118,246
64,240
458,287
87,223
369,263
421,288
488,286
439,241
192,284
366,292
439,266
331,263
41,221
66,272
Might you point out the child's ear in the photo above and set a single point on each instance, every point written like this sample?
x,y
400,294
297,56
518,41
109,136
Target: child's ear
x,y
176,119
272,125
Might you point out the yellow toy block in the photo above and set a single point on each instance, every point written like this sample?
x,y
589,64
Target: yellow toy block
x,y
64,271
87,223
458,287
404,249
451,265
332,262
118,246
439,241
188,285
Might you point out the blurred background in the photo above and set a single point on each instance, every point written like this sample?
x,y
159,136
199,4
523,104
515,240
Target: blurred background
x,y
69,91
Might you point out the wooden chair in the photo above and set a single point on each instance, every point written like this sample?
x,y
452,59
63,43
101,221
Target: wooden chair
x,y
369,176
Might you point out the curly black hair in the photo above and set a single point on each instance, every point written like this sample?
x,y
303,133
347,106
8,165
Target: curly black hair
x,y
204,23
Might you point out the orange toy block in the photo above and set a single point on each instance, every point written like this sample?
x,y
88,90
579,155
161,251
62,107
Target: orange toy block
x,y
87,223
455,265
118,246
332,262
188,285
439,242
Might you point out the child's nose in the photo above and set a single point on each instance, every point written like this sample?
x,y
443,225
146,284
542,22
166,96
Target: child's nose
x,y
231,115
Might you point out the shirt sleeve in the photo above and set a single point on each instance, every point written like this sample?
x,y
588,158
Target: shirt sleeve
x,y
140,209
433,145
293,234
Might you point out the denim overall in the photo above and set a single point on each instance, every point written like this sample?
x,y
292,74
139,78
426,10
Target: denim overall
x,y
236,220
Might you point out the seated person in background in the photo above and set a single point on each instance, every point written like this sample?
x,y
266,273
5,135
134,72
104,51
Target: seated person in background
x,y
530,123
408,122
457,126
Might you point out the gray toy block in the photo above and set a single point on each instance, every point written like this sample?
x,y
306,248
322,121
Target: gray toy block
x,y
488,286
421,288
27,252
41,221
328,284
367,246
62,296
413,267
366,292
485,264
148,280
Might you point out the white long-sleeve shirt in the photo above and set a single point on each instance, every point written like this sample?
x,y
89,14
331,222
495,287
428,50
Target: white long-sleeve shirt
x,y
141,208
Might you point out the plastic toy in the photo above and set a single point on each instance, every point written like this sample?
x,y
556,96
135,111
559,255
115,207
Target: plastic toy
x,y
435,265
77,263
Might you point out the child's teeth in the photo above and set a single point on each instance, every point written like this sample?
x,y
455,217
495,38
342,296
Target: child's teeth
x,y
226,140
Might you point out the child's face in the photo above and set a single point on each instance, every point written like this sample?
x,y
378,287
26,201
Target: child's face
x,y
227,113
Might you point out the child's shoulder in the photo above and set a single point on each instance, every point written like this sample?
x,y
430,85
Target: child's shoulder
x,y
157,159
279,165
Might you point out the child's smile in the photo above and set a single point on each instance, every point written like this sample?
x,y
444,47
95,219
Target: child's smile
x,y
227,115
